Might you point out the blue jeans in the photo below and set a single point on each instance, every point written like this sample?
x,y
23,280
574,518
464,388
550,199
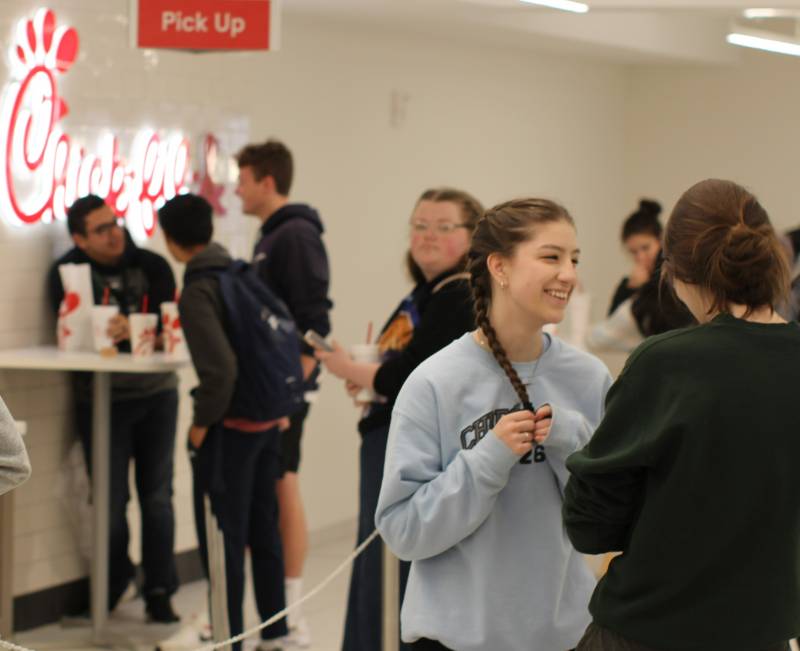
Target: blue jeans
x,y
142,430
238,471
362,628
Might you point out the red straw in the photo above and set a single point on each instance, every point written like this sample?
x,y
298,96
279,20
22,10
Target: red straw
x,y
145,303
369,333
106,292
176,296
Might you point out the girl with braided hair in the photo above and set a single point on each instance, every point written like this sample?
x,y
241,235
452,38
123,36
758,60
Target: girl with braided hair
x,y
474,472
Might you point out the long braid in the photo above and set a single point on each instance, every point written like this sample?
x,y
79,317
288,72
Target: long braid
x,y
481,306
500,231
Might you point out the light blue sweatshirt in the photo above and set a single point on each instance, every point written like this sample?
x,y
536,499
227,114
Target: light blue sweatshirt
x,y
492,567
15,467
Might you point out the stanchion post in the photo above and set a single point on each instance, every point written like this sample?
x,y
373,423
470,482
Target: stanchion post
x,y
391,600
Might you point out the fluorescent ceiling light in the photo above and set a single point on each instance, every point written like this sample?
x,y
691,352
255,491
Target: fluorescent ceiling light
x,y
759,42
564,5
752,14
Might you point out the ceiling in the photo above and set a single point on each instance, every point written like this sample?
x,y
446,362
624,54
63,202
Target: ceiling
x,y
630,31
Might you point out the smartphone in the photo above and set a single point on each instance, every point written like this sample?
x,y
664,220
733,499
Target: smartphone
x,y
317,341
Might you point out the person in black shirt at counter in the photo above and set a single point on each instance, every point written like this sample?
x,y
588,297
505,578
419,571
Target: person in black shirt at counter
x,y
639,307
641,237
144,406
691,472
437,311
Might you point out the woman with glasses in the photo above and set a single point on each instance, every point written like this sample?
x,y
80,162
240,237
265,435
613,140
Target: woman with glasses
x,y
437,311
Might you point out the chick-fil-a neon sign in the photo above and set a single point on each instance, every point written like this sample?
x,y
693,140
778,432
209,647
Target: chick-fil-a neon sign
x,y
43,170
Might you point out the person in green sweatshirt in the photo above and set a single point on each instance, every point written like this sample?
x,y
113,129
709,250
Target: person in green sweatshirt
x,y
691,473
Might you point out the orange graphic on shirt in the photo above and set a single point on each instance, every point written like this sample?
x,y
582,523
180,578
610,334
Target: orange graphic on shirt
x,y
397,334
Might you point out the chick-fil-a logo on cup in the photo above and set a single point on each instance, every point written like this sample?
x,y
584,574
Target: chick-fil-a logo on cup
x,y
43,170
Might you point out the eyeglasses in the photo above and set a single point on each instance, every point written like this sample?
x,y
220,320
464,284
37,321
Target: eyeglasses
x,y
105,229
442,228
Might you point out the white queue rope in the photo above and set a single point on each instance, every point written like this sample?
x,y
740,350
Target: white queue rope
x,y
275,618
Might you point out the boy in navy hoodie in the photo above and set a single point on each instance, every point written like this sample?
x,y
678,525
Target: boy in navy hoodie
x,y
290,258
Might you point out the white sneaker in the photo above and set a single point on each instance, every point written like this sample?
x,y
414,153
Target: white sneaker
x,y
299,636
299,631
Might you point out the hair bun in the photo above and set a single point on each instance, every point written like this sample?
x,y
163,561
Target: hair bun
x,y
650,208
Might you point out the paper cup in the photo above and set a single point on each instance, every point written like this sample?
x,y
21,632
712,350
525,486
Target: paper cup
x,y
174,341
101,315
143,334
368,353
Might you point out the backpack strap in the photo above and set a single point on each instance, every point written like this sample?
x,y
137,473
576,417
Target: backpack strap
x,y
464,275
208,272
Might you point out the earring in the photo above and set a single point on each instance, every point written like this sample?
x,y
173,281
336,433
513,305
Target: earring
x,y
503,284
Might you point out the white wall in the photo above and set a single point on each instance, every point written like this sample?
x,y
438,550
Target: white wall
x,y
686,124
500,123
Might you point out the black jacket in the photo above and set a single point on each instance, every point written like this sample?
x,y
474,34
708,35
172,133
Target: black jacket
x,y
139,272
290,258
655,306
445,315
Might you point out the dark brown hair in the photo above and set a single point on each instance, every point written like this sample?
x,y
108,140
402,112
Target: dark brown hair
x,y
719,238
501,230
271,158
471,211
644,221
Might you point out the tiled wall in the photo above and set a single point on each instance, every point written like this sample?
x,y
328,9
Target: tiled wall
x,y
328,93
110,87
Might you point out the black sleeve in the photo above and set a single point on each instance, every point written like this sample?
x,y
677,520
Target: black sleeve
x,y
657,309
604,494
447,316
622,294
213,357
299,267
160,280
55,290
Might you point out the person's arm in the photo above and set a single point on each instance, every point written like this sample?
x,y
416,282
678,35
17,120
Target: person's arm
x,y
299,266
160,280
15,467
303,278
342,365
55,290
424,509
603,496
447,317
621,294
214,359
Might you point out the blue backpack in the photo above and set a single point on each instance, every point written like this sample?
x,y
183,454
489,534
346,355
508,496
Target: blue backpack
x,y
263,335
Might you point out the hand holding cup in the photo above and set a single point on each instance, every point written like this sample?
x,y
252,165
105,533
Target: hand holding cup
x,y
119,328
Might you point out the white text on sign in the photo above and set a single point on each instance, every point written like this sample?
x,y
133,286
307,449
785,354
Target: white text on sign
x,y
223,23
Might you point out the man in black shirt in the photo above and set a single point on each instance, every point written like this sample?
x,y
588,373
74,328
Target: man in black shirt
x,y
144,407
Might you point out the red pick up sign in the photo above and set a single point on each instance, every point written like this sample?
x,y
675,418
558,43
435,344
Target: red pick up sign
x,y
207,24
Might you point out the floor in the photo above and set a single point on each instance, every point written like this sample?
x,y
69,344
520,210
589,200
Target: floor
x,y
325,611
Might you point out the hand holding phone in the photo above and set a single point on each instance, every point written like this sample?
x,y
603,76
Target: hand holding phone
x,y
316,340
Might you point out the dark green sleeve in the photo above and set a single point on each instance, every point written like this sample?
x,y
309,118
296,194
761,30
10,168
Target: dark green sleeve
x,y
604,493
